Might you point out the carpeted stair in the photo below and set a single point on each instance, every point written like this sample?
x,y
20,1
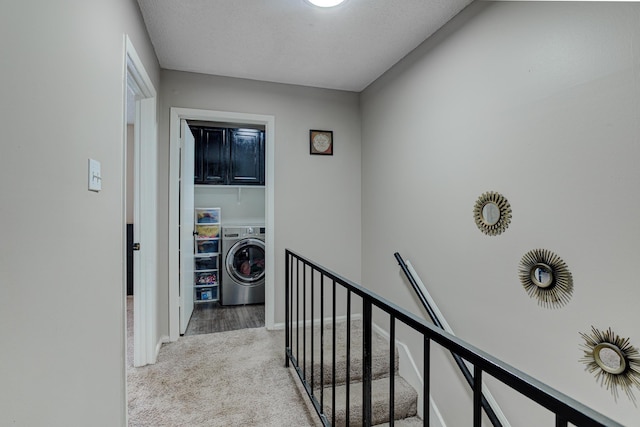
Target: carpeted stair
x,y
405,402
405,407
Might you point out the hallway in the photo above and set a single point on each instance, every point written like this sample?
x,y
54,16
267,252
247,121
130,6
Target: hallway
x,y
234,378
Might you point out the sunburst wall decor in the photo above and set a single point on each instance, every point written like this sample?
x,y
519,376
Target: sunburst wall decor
x,y
545,277
613,360
492,213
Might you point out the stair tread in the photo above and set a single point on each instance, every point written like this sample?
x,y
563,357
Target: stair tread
x,y
406,422
380,354
405,398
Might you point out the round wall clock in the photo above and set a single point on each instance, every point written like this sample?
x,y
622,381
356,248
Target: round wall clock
x,y
321,142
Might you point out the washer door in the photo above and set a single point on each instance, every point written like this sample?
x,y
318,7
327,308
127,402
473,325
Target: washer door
x,y
245,262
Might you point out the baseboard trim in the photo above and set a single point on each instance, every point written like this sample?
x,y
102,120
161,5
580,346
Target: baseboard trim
x,y
163,340
409,371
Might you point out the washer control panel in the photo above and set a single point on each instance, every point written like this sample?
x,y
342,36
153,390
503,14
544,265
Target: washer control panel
x,y
242,232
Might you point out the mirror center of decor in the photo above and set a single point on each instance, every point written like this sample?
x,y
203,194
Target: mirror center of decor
x,y
609,358
490,213
542,275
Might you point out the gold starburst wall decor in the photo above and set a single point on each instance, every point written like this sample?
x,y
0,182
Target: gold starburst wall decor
x,y
613,360
492,213
545,277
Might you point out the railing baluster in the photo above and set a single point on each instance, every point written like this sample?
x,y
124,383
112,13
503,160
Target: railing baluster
x,y
366,363
560,421
333,361
426,392
298,310
312,326
287,304
304,320
477,396
392,370
348,367
321,340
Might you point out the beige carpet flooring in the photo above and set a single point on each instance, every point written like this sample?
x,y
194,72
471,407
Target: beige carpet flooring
x,y
234,378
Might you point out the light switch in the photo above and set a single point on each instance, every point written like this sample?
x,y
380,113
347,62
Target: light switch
x,y
95,179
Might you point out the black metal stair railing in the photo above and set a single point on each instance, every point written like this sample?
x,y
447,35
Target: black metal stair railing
x,y
303,297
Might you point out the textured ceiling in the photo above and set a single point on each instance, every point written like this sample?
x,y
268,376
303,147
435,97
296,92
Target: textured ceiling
x,y
290,41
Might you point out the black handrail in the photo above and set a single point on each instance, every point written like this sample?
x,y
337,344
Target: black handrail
x,y
566,409
436,321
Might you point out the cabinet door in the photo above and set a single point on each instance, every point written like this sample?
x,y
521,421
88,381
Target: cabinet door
x,y
246,165
215,154
197,155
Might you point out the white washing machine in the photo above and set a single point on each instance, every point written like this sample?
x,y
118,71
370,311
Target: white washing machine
x,y
243,258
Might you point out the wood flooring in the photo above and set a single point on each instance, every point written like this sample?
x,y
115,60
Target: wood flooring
x,y
212,317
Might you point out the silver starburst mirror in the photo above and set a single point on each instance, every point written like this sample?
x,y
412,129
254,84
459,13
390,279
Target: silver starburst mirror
x,y
545,277
613,360
492,213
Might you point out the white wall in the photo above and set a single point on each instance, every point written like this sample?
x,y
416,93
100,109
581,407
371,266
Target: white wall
x,y
62,357
539,101
238,205
317,198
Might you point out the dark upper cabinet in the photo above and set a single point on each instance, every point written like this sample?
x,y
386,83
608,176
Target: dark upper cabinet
x,y
210,155
246,157
215,155
228,156
197,166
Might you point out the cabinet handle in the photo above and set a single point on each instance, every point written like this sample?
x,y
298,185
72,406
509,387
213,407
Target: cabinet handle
x,y
136,246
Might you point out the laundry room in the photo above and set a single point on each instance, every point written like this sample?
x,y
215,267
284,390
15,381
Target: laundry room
x,y
228,210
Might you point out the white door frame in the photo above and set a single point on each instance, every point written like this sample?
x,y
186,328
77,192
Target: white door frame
x,y
174,163
145,207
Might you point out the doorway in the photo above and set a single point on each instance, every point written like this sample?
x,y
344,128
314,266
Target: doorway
x,y
178,114
227,181
140,111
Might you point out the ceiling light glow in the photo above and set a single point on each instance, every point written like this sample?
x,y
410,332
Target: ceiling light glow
x,y
325,3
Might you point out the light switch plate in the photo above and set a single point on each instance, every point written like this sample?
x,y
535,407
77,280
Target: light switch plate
x,y
95,179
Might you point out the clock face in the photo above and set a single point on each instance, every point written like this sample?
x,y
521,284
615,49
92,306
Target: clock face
x,y
321,142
